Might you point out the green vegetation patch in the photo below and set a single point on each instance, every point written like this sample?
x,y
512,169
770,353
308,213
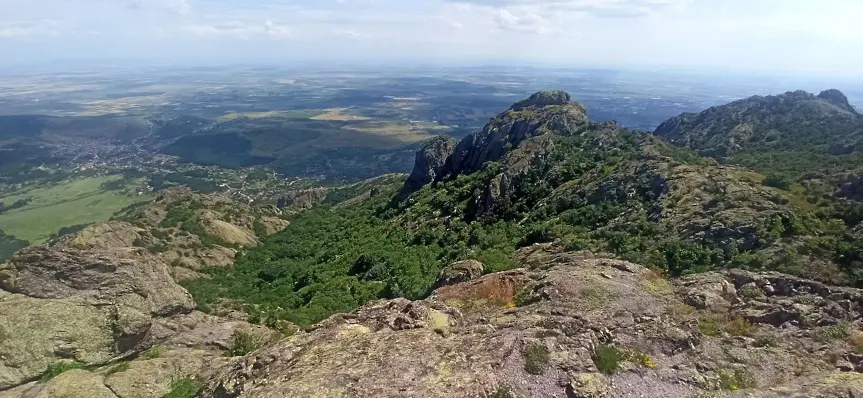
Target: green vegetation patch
x,y
536,357
832,333
501,392
607,359
154,352
184,388
56,369
54,207
245,341
118,368
738,379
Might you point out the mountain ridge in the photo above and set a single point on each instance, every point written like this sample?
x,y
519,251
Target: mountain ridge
x,y
790,134
616,264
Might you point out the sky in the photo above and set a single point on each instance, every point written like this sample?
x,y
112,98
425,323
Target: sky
x,y
788,37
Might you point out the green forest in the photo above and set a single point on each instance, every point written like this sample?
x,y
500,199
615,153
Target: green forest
x,y
590,194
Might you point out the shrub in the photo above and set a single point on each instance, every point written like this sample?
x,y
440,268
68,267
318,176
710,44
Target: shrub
x,y
766,340
708,325
832,333
120,367
536,358
736,380
245,341
739,326
607,359
184,388
501,392
777,181
751,292
524,297
56,369
154,352
640,358
856,341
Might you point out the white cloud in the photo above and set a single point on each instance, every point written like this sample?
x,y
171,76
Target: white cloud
x,y
178,6
597,8
799,36
526,22
239,29
25,29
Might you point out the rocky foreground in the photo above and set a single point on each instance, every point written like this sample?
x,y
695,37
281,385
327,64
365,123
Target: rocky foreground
x,y
566,324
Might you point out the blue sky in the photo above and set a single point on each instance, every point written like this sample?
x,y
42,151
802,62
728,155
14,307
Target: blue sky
x,y
792,37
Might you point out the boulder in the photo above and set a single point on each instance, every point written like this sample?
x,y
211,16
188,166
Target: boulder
x,y
36,333
459,272
89,306
72,384
852,187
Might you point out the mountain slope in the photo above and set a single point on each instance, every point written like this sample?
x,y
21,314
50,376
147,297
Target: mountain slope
x,y
795,133
613,269
538,173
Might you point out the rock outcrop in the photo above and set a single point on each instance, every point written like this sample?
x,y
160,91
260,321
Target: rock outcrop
x,y
105,295
430,163
187,230
574,324
87,306
516,138
458,272
836,97
851,187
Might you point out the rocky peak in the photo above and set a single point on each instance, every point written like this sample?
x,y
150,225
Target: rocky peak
x,y
430,163
542,113
836,97
543,98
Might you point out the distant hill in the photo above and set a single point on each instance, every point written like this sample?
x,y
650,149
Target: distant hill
x,y
793,134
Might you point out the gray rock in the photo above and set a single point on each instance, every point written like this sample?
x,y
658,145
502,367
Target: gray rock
x,y
836,97
459,272
429,164
510,137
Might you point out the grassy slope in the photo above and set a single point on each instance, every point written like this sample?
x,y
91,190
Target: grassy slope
x,y
76,202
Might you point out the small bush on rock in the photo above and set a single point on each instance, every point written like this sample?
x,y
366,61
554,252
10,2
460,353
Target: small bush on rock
x,y
607,359
56,369
184,388
536,358
832,333
245,341
154,352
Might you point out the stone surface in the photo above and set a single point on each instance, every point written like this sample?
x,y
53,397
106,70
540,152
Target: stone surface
x,y
458,272
469,339
836,97
70,384
36,333
429,164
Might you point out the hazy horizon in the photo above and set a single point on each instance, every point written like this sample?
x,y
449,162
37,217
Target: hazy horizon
x,y
781,37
